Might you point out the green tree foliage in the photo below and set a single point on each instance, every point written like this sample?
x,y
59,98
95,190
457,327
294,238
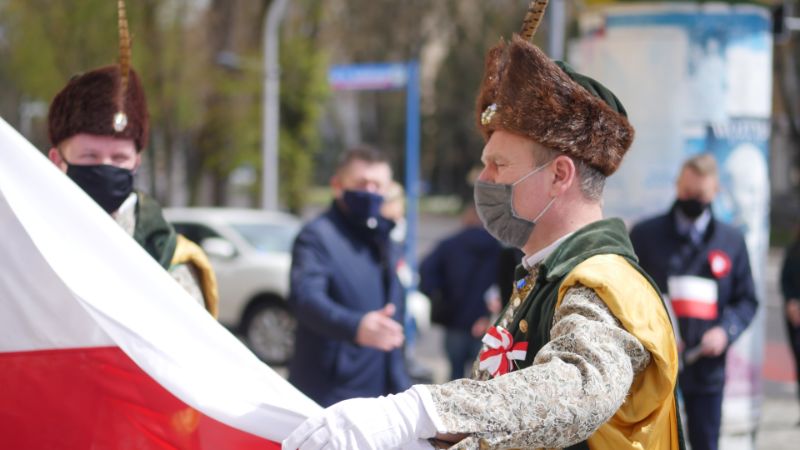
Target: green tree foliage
x,y
207,113
204,115
452,141
304,89
51,41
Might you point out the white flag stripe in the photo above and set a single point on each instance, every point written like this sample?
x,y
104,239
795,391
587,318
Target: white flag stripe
x,y
134,301
688,287
47,316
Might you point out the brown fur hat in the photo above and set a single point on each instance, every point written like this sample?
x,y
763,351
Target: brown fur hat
x,y
526,93
88,103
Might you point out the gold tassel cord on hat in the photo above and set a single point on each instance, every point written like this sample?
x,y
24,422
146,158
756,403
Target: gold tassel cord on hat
x,y
120,118
532,18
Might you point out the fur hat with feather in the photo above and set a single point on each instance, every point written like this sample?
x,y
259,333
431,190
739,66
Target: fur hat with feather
x,y
526,93
107,101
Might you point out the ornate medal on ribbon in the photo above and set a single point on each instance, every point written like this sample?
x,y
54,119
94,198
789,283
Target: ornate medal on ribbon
x,y
498,358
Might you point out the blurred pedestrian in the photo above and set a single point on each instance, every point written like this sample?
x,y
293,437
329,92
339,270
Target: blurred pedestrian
x,y
507,263
417,304
702,266
345,292
584,355
394,209
459,276
98,126
790,287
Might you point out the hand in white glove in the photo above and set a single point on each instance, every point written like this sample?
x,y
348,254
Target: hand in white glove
x,y
392,422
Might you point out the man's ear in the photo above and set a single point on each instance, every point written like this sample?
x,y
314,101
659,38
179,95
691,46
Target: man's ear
x,y
55,157
137,163
336,186
564,174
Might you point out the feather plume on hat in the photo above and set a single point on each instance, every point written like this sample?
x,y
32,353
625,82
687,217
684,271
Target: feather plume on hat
x,y
106,101
526,93
120,118
532,18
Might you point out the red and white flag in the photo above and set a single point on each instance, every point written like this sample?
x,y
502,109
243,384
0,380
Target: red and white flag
x,y
100,348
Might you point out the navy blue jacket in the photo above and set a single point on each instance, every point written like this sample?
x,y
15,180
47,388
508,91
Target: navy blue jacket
x,y
663,252
790,273
339,273
458,272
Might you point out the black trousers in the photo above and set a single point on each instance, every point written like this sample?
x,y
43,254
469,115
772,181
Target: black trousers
x,y
794,342
703,418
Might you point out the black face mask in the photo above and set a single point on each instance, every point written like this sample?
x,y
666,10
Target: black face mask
x,y
109,186
692,207
363,207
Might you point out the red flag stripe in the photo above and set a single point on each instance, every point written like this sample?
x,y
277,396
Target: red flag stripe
x,y
99,398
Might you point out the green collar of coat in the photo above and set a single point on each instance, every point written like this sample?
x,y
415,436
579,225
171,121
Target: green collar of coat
x,y
608,236
153,232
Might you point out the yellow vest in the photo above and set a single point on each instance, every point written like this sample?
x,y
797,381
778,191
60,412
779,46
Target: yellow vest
x,y
648,418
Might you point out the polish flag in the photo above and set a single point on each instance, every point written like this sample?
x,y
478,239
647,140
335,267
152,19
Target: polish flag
x,y
693,297
100,348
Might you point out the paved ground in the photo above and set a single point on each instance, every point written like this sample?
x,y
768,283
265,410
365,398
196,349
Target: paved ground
x,y
779,428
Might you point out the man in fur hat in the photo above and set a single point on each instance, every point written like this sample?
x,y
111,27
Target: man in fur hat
x,y
98,125
584,354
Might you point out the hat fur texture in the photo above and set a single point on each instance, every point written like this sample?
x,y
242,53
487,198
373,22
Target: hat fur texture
x,y
535,98
88,103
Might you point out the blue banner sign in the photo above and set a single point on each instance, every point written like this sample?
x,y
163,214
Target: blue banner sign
x,y
358,77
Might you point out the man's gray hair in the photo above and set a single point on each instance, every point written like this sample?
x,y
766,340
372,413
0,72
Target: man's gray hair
x,y
592,181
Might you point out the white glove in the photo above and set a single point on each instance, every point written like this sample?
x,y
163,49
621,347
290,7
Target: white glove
x,y
393,422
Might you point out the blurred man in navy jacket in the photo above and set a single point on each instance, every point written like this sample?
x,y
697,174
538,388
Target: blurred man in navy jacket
x,y
702,265
345,292
459,276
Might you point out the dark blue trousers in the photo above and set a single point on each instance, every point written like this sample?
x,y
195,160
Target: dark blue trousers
x,y
461,348
703,418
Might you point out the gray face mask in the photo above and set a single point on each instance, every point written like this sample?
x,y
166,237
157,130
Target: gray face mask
x,y
495,206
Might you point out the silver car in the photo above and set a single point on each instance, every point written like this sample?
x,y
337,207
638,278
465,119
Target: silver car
x,y
250,251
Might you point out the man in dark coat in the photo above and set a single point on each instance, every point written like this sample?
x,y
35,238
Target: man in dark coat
x,y
790,288
702,265
459,276
345,292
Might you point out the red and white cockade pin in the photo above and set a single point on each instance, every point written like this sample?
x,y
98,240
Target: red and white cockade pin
x,y
720,263
498,358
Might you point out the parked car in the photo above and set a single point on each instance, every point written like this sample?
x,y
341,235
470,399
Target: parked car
x,y
250,251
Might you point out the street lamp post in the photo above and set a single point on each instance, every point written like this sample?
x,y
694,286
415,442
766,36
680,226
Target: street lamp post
x,y
271,125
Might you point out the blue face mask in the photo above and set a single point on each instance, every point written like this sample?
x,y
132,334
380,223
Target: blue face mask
x,y
363,208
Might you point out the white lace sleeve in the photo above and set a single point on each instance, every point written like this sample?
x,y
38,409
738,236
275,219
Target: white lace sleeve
x,y
188,278
576,383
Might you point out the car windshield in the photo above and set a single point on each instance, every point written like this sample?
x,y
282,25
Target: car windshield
x,y
268,238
